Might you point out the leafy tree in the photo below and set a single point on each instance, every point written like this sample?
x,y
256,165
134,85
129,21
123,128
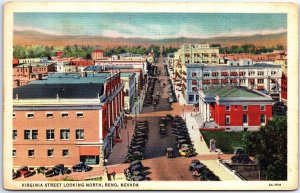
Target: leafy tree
x,y
269,146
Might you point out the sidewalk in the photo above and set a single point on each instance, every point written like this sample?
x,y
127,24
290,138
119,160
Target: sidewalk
x,y
193,129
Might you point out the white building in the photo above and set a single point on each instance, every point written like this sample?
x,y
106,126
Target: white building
x,y
128,79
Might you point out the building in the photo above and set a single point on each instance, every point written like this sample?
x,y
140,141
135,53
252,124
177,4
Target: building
x,y
81,62
15,62
67,118
123,63
130,94
59,54
263,77
24,73
284,87
29,60
283,63
234,108
97,54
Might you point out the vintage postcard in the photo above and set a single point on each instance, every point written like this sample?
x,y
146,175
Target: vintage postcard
x,y
150,96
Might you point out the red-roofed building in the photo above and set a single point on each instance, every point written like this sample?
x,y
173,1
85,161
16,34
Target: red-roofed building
x,y
15,62
97,54
59,54
81,62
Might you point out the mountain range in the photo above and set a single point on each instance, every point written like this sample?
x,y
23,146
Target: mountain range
x,y
31,37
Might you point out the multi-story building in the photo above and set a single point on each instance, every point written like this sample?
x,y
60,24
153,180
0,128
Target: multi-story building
x,y
24,73
128,79
284,87
29,60
283,63
97,54
263,77
67,118
234,108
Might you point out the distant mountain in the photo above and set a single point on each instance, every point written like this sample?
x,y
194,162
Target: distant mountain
x,y
31,37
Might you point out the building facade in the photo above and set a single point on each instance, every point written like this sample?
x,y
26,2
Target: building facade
x,y
66,119
97,54
130,94
263,77
24,73
234,108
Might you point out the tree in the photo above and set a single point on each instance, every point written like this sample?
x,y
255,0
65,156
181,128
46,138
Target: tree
x,y
269,147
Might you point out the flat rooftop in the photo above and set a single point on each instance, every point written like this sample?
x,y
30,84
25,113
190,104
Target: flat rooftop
x,y
232,91
35,64
126,74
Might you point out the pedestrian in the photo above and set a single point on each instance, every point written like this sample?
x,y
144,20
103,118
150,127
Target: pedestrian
x,y
114,175
192,127
201,138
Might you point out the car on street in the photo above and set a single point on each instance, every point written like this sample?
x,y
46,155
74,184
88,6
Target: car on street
x,y
81,167
241,159
25,172
194,163
170,152
57,170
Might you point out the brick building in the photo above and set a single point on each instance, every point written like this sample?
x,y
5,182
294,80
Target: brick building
x,y
284,88
234,108
66,119
24,73
97,54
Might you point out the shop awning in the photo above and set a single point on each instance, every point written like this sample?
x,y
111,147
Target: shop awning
x,y
89,150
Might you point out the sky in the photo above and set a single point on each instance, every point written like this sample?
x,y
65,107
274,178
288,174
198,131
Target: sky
x,y
152,25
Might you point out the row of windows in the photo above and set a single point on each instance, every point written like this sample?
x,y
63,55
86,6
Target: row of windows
x,y
64,134
245,119
50,153
245,107
50,115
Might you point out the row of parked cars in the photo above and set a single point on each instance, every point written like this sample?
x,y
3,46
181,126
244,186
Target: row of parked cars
x,y
183,140
201,172
149,94
154,71
59,169
135,172
171,92
166,70
138,142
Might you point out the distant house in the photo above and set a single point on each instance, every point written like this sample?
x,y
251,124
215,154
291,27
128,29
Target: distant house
x,y
97,54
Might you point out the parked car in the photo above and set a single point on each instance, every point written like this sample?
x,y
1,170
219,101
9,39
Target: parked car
x,y
58,169
194,163
241,159
170,152
16,174
80,167
24,171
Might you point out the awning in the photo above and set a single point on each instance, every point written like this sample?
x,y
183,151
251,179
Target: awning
x,y
89,150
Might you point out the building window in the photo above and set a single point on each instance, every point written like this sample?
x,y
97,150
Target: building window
x,y
260,81
262,107
34,134
50,134
65,115
235,107
30,115
50,152
260,73
14,115
79,115
227,107
31,153
65,152
79,134
245,119
14,134
65,134
227,120
191,98
27,134
194,74
14,153
263,119
49,115
245,107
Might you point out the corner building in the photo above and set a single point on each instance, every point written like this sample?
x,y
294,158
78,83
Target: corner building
x,y
66,119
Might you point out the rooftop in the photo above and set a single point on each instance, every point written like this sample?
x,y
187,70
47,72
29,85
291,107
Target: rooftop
x,y
126,74
69,91
73,78
230,91
36,64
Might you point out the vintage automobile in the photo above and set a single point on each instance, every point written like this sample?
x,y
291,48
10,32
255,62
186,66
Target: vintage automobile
x,y
198,170
194,163
16,174
170,152
186,152
136,162
25,172
241,159
163,131
132,156
58,169
81,167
